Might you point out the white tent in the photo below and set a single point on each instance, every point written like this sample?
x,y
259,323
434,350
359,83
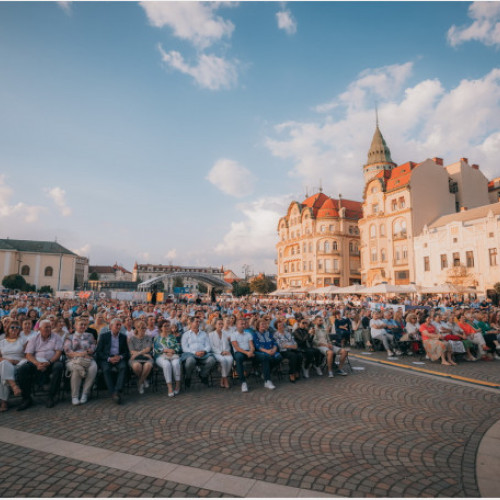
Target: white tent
x,y
385,288
446,288
325,290
352,289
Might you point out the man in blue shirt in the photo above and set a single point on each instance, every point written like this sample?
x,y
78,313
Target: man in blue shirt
x,y
266,350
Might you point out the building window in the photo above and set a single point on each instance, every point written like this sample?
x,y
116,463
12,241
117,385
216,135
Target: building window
x,y
310,265
427,264
303,266
293,251
394,205
335,246
444,261
375,208
304,248
405,253
320,264
373,231
493,256
310,247
456,259
48,271
382,230
382,255
374,255
469,258
25,271
327,246
293,268
402,203
490,235
328,266
322,229
286,269
331,228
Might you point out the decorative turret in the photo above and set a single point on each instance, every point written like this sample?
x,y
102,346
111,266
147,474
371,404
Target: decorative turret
x,y
379,156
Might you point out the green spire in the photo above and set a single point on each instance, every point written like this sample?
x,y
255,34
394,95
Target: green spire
x,y
379,151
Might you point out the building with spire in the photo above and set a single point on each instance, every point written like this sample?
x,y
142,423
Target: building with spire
x,y
319,243
399,201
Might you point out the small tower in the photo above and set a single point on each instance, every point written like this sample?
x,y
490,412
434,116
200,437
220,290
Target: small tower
x,y
379,156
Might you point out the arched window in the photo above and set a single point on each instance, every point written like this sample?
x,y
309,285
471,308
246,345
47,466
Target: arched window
x,y
327,246
335,246
382,230
373,231
293,268
25,271
382,255
48,271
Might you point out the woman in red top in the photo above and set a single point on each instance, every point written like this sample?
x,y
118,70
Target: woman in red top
x,y
433,345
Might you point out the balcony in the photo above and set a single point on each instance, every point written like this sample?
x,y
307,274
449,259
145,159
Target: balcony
x,y
402,235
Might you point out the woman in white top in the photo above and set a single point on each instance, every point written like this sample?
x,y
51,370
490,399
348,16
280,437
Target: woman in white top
x,y
11,356
219,344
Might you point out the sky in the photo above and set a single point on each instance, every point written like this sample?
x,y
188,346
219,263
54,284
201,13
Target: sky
x,y
180,132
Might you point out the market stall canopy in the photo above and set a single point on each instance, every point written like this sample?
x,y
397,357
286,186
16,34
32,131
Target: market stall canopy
x,y
446,288
352,289
385,288
325,290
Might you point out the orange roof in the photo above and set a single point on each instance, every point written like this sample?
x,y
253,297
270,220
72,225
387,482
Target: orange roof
x,y
323,206
400,176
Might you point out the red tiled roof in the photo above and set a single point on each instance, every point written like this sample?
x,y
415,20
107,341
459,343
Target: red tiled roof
x,y
323,206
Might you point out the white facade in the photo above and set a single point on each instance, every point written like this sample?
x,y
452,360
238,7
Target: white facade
x,y
460,248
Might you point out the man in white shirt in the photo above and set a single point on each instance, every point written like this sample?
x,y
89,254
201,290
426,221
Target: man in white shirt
x,y
196,351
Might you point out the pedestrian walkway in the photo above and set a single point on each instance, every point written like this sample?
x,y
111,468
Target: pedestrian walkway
x,y
382,431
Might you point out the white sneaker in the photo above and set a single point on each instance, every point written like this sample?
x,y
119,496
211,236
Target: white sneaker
x,y
398,353
390,354
75,401
269,385
244,387
141,389
496,356
146,384
330,374
305,371
84,399
170,394
318,370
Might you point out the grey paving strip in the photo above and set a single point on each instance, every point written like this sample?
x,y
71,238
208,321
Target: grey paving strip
x,y
436,375
191,476
488,463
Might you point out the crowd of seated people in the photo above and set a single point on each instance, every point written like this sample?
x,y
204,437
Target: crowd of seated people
x,y
42,339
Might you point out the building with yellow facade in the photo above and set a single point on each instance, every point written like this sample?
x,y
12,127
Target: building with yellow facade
x,y
319,243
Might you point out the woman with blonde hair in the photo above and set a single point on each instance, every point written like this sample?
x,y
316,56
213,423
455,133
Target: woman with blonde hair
x,y
141,360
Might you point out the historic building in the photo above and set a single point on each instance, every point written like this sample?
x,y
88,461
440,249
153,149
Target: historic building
x,y
319,243
398,201
40,263
111,273
460,248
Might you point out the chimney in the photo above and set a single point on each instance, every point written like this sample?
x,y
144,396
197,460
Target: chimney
x,y
465,160
475,166
463,209
438,161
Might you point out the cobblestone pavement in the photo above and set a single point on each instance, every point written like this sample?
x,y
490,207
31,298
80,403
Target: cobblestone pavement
x,y
28,473
378,432
488,371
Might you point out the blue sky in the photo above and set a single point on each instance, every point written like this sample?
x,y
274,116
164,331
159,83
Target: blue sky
x,y
181,131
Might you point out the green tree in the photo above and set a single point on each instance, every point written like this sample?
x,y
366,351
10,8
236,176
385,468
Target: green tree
x,y
45,289
15,282
202,288
178,282
241,288
496,287
93,276
262,285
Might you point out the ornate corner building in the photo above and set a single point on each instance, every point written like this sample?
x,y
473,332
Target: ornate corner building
x,y
319,243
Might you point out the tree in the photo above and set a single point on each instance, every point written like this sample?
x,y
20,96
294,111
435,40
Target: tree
x,y
178,282
93,276
15,282
496,287
45,289
262,284
202,288
241,288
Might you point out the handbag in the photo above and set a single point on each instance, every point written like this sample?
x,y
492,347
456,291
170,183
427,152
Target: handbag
x,y
80,365
451,336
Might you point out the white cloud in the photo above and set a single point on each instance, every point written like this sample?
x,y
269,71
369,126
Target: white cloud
x,y
254,238
371,85
66,6
84,250
418,122
232,178
210,72
58,196
485,27
196,22
171,254
286,21
18,211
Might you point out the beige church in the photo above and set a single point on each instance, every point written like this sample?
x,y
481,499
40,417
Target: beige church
x,y
40,263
